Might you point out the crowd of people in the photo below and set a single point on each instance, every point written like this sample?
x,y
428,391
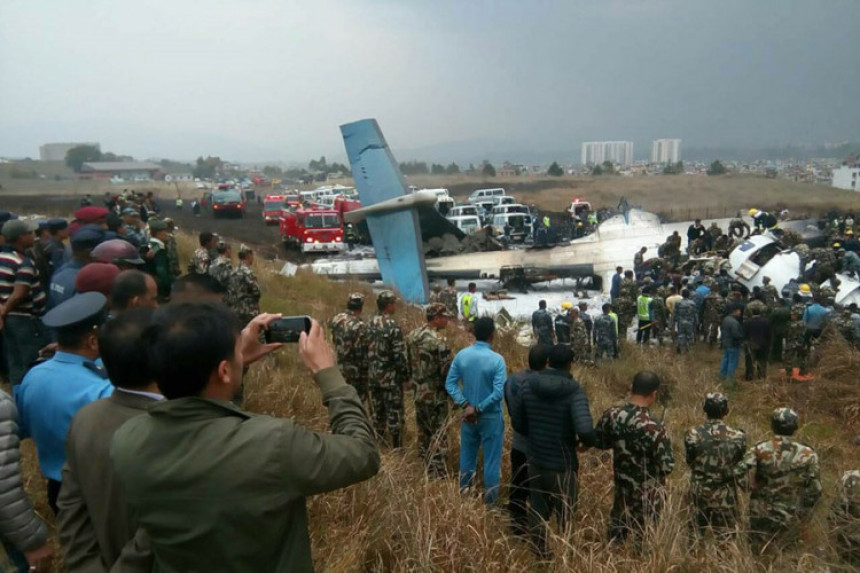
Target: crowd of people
x,y
129,382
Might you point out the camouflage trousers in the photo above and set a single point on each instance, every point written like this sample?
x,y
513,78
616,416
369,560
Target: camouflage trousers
x,y
794,355
604,348
430,418
626,309
774,525
352,374
686,336
632,511
387,405
721,519
711,331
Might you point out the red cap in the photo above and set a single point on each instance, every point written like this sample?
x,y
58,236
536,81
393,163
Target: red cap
x,y
96,277
87,215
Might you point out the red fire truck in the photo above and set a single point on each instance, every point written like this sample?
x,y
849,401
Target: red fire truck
x,y
272,207
312,230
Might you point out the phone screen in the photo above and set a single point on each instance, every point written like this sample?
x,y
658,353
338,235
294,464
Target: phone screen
x,y
288,329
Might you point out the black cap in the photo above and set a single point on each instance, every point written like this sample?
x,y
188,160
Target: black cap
x,y
87,237
88,306
57,224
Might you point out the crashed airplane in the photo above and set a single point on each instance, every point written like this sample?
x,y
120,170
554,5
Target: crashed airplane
x,y
392,216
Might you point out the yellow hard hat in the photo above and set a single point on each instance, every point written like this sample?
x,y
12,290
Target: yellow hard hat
x,y
753,212
849,232
566,305
837,244
804,288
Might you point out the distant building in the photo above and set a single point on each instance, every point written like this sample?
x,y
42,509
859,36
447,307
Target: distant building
x,y
846,177
178,177
666,151
57,151
596,152
124,170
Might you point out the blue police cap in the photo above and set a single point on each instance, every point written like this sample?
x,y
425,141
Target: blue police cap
x,y
57,224
43,225
5,216
88,306
87,237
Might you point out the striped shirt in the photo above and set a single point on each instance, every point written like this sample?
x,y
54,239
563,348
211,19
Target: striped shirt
x,y
17,268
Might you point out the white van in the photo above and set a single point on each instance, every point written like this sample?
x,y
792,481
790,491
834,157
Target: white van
x,y
469,224
514,208
481,195
520,225
444,202
504,200
461,210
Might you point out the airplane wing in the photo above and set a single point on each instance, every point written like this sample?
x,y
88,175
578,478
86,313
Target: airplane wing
x,y
395,234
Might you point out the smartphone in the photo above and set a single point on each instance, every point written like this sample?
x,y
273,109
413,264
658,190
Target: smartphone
x,y
288,329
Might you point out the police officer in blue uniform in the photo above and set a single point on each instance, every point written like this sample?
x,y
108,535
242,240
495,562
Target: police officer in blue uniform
x,y
52,392
83,241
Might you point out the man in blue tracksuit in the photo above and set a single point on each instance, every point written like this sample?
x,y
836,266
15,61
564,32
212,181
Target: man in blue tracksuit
x,y
482,373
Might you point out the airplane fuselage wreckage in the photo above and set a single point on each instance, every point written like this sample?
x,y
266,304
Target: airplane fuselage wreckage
x,y
392,215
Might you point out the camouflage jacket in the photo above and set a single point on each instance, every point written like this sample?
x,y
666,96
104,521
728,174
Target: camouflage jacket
x,y
714,308
578,338
786,484
222,269
388,364
135,236
350,336
199,262
641,448
713,450
753,304
771,295
685,312
173,255
659,312
430,357
243,296
795,333
824,257
604,330
628,289
448,297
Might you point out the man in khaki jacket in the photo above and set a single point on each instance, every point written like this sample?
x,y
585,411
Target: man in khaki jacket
x,y
220,489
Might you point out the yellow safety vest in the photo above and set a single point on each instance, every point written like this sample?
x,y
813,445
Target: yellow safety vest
x,y
467,307
643,307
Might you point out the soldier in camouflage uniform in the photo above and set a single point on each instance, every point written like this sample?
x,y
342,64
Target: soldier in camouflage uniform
x,y
435,291
771,295
204,254
713,311
243,296
221,268
388,370
795,350
448,297
641,458
825,265
625,304
605,335
579,338
786,487
756,303
685,318
173,248
430,358
659,315
542,325
349,333
845,518
713,450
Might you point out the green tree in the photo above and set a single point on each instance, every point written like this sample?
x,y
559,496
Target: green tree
x,y
597,170
77,156
555,170
318,165
205,168
272,171
437,169
608,168
717,168
452,169
488,170
673,168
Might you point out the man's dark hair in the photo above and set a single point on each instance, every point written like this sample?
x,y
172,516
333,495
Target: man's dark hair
x,y
685,293
628,274
645,383
484,328
716,410
196,282
122,349
204,238
472,286
607,308
187,342
538,355
127,285
451,282
73,336
619,269
542,304
560,357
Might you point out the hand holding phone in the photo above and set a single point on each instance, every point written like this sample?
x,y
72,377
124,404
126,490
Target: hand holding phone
x,y
314,350
252,349
287,329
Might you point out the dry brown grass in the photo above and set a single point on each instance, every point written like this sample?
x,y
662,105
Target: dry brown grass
x,y
402,521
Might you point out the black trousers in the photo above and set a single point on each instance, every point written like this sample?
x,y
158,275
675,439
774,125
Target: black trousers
x,y
519,493
53,494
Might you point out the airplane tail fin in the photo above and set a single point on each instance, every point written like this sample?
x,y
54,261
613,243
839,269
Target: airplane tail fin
x,y
396,234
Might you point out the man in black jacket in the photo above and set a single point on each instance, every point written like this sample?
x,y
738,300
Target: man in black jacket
x,y
553,415
757,332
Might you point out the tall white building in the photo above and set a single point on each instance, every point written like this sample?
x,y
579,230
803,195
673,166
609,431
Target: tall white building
x,y
57,151
666,151
596,152
847,177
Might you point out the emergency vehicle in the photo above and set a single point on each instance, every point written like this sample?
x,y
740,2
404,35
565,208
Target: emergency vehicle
x,y
273,205
312,230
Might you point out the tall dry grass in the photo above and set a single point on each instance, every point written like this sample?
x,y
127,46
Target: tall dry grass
x,y
401,520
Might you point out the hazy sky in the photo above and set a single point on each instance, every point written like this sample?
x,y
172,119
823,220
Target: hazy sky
x,y
273,79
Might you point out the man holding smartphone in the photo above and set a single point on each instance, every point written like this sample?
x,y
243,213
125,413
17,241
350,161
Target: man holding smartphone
x,y
197,464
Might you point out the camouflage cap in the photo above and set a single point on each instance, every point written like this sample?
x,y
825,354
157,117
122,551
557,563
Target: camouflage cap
x,y
356,297
785,417
244,250
851,486
435,309
716,400
385,297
